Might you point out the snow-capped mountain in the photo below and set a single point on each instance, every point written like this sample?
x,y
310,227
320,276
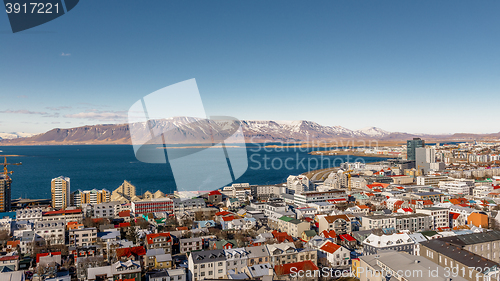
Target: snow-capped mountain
x,y
194,130
14,135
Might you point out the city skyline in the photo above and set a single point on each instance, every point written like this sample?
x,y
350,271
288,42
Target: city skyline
x,y
420,67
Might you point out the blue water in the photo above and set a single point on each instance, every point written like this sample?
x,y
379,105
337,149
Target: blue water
x,y
107,166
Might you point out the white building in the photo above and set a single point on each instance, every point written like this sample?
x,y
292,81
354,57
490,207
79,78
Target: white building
x,y
206,265
457,187
440,216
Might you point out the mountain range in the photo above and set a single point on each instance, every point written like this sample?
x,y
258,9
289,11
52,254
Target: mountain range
x,y
184,130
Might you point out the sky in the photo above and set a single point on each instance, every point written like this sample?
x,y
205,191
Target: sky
x,y
406,66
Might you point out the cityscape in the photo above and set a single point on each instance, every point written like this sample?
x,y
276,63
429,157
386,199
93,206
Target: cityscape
x,y
428,207
262,140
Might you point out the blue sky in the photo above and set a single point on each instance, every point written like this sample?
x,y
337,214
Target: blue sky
x,y
418,67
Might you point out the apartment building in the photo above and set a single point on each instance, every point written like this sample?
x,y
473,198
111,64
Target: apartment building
x,y
5,193
400,266
305,198
94,196
29,214
183,205
440,216
153,206
257,255
341,224
60,190
377,221
187,245
67,215
236,259
470,266
484,244
83,237
206,265
106,210
50,231
413,222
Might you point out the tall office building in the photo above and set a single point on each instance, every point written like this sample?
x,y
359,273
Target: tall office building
x,y
411,145
5,182
93,196
60,189
424,157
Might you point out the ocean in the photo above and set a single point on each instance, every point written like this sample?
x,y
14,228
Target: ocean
x,y
107,166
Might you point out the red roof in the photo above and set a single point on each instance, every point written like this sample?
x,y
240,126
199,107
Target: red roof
x,y
330,247
215,192
229,218
308,219
124,214
223,213
286,269
124,224
363,207
152,236
329,234
454,215
13,244
38,256
347,237
180,228
9,258
282,236
409,210
428,202
62,212
127,252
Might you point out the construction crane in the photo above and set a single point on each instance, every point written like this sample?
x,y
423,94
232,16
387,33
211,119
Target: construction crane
x,y
348,172
5,164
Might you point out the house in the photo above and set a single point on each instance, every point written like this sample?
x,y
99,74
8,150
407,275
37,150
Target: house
x,y
129,270
396,242
83,237
209,264
329,234
236,259
335,254
347,241
214,197
308,234
204,224
282,253
160,240
150,257
478,219
9,263
257,255
233,203
222,244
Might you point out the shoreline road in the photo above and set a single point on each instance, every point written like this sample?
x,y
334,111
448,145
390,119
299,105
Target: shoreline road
x,y
319,175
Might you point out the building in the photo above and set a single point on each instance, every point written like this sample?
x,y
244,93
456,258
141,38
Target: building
x,y
206,265
377,221
183,205
257,255
66,215
129,270
167,275
411,146
125,193
401,242
458,188
305,198
160,240
29,214
105,210
470,266
5,185
484,244
399,266
432,180
413,222
285,253
298,184
187,245
50,231
424,157
341,224
60,189
94,196
293,227
83,237
335,254
440,216
153,206
236,259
